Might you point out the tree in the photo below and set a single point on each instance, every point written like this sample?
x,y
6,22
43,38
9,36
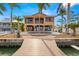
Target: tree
x,y
75,18
61,12
18,19
74,23
62,24
68,16
2,8
68,11
12,5
42,6
73,26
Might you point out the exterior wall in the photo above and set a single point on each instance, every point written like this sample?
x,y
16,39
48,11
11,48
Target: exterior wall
x,y
43,21
4,26
77,30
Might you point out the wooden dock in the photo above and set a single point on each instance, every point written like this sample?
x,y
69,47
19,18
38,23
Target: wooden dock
x,y
38,47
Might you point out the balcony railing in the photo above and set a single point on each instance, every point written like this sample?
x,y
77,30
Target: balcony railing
x,y
39,20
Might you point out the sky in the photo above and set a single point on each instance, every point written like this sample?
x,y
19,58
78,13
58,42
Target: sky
x,y
27,9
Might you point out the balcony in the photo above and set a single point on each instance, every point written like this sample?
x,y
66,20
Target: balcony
x,y
39,20
29,21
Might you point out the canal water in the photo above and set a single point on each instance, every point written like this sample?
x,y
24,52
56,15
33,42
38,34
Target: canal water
x,y
7,51
69,51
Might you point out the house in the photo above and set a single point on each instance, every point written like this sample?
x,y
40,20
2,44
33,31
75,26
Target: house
x,y
39,23
5,24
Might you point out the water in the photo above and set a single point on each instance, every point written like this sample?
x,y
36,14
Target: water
x,y
7,51
70,51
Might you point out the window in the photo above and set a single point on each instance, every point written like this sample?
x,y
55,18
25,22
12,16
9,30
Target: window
x,y
36,20
29,20
48,19
37,28
41,28
30,28
41,20
47,28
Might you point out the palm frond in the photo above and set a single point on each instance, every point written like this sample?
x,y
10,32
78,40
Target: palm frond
x,y
18,18
45,5
42,6
14,5
1,13
60,4
57,15
2,7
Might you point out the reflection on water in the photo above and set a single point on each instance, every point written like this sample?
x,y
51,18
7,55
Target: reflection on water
x,y
70,51
7,51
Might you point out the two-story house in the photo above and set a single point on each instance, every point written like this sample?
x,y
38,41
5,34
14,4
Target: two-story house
x,y
39,23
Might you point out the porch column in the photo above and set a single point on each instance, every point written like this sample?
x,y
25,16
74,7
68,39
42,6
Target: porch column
x,y
34,23
44,24
39,24
25,26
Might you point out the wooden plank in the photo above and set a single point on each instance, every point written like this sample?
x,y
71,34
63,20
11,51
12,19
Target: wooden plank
x,y
52,46
32,47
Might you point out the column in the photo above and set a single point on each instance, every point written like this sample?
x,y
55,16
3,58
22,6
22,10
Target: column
x,y
25,25
44,24
39,24
34,23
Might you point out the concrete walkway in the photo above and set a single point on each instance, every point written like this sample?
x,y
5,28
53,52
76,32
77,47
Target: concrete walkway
x,y
38,47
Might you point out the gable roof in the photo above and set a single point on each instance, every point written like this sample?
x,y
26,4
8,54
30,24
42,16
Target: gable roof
x,y
39,14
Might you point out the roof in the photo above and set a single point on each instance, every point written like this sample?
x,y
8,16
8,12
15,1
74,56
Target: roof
x,y
7,20
38,15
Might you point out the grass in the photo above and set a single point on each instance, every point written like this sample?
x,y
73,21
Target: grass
x,y
64,35
8,36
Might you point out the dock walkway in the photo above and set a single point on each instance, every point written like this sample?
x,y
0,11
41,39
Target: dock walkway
x,y
38,47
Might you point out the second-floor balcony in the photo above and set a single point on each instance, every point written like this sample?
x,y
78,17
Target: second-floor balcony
x,y
39,20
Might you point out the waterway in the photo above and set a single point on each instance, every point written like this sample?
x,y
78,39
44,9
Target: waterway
x,y
69,51
7,51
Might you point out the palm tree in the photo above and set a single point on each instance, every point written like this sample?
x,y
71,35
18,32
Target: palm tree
x,y
12,5
61,12
75,18
62,24
42,6
73,26
68,16
2,8
18,19
73,22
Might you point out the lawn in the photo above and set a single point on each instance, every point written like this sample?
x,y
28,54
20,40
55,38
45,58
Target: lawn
x,y
64,35
8,36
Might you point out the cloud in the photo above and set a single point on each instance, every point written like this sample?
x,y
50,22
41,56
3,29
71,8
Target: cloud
x,y
47,12
72,4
